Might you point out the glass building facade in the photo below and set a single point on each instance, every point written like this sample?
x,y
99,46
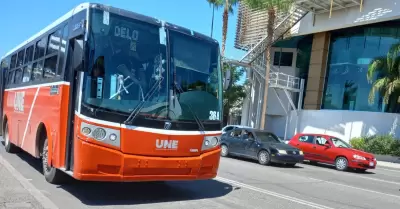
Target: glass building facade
x,y
350,54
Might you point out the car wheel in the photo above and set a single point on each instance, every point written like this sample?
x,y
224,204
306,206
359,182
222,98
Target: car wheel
x,y
264,158
51,174
8,145
224,150
341,163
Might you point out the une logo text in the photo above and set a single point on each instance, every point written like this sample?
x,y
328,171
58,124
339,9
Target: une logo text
x,y
166,144
19,101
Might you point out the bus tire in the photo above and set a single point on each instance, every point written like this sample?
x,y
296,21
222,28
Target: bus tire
x,y
8,145
51,174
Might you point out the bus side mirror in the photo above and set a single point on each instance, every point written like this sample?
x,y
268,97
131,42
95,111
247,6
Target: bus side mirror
x,y
78,59
227,79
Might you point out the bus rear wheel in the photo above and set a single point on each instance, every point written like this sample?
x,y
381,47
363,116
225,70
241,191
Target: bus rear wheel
x,y
51,174
8,145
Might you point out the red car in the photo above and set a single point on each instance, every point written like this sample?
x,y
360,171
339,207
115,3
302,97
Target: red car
x,y
332,150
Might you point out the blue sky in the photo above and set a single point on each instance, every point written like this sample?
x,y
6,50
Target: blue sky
x,y
21,18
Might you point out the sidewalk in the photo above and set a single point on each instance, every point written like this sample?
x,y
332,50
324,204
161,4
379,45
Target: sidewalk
x,y
388,164
18,192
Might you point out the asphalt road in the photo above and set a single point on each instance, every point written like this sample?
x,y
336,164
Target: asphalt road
x,y
240,184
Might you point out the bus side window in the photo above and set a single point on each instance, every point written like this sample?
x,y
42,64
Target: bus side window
x,y
10,77
63,51
13,61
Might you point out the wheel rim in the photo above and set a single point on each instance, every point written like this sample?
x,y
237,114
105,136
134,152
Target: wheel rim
x,y
44,159
341,163
263,157
224,150
6,137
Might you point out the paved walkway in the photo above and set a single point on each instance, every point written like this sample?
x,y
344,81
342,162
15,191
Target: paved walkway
x,y
388,164
17,192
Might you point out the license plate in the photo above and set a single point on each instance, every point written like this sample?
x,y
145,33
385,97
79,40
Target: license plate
x,y
371,163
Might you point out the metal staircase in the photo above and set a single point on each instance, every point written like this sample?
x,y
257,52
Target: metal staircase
x,y
255,59
281,30
254,40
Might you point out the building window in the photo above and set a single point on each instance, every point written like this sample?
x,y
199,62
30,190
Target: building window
x,y
283,59
351,53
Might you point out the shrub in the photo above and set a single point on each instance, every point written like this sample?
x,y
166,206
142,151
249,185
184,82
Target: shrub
x,y
358,143
381,145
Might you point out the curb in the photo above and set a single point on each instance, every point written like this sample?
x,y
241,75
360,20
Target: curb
x,y
388,164
43,200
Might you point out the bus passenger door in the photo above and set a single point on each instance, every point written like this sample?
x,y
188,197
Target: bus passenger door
x,y
75,55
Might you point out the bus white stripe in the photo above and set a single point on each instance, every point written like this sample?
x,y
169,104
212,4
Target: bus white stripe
x,y
38,85
29,116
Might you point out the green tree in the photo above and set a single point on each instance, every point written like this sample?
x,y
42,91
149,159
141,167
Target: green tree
x,y
271,7
228,6
388,82
233,97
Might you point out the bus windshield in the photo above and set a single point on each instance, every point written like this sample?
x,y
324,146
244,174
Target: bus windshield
x,y
125,62
196,73
128,65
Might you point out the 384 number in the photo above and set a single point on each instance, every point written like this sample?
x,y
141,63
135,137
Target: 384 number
x,y
214,115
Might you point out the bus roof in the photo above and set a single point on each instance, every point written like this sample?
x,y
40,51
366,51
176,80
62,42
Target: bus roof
x,y
73,11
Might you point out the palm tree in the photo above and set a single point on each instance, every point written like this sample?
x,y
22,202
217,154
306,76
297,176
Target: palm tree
x,y
228,9
212,3
388,71
271,7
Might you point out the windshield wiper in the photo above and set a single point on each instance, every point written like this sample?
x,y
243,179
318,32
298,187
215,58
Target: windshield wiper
x,y
139,107
196,118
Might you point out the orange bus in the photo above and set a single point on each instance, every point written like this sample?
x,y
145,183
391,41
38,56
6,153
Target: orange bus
x,y
105,94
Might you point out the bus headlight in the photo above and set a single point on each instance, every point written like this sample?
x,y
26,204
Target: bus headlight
x,y
86,131
210,142
101,134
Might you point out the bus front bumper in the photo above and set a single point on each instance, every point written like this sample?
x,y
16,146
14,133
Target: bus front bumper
x,y
97,163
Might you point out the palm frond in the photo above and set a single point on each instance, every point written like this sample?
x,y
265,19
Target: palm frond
x,y
376,66
393,58
280,5
379,85
216,3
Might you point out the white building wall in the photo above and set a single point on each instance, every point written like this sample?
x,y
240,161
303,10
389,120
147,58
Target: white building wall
x,y
274,107
343,123
276,115
340,123
373,11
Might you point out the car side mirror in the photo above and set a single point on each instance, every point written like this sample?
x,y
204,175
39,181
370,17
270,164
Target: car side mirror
x,y
327,145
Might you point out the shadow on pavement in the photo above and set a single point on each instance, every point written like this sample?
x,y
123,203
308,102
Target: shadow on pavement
x,y
326,166
101,193
128,193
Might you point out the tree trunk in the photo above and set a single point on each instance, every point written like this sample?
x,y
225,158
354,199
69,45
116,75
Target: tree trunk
x,y
212,20
224,27
270,38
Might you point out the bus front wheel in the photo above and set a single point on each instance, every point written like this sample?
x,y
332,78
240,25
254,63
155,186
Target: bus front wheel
x,y
51,174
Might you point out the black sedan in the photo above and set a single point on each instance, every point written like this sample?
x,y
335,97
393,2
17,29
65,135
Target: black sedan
x,y
259,145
